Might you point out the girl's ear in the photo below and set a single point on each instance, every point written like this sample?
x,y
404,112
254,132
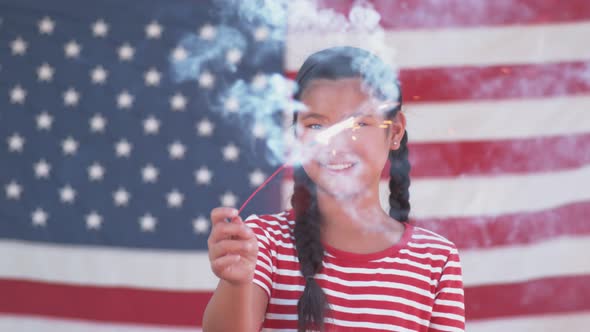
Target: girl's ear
x,y
398,128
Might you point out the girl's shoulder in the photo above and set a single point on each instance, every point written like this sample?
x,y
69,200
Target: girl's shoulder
x,y
424,238
278,225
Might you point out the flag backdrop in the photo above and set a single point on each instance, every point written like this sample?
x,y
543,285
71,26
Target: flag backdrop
x,y
112,155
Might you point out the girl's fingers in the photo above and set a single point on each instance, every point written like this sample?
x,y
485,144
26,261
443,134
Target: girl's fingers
x,y
222,263
233,247
234,230
220,214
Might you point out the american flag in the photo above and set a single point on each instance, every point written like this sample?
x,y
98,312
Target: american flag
x,y
117,139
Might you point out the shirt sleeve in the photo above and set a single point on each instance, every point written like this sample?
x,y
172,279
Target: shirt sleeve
x,y
448,312
263,275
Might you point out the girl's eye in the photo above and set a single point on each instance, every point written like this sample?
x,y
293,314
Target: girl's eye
x,y
314,126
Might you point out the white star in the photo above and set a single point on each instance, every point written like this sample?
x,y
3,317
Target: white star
x,y
261,33
126,52
176,150
125,100
207,32
174,198
46,26
42,169
93,220
232,104
259,131
16,143
97,123
228,199
95,172
259,81
205,127
148,223
152,77
67,194
72,49
206,80
151,125
19,46
100,28
39,217
149,174
18,95
233,56
123,148
257,178
179,54
99,75
178,102
71,97
201,225
44,121
69,146
231,152
153,30
121,197
203,175
13,190
45,73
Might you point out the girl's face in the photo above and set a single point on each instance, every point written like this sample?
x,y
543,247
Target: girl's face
x,y
348,158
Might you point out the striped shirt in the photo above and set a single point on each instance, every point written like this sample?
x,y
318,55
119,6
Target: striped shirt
x,y
414,285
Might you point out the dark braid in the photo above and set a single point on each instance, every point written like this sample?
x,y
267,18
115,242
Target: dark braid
x,y
399,181
313,302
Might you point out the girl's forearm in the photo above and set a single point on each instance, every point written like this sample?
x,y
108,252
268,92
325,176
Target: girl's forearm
x,y
230,309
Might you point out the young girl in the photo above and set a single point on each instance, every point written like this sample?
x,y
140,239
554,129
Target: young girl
x,y
337,261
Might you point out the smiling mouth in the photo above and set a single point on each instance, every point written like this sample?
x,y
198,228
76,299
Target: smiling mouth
x,y
338,167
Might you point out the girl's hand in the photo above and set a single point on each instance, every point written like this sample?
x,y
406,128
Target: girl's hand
x,y
233,248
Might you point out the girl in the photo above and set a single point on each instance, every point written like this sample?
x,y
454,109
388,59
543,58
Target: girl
x,y
337,261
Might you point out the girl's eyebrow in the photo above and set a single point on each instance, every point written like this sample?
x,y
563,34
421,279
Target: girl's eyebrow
x,y
309,115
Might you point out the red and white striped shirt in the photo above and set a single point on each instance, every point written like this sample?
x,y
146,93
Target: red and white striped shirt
x,y
414,285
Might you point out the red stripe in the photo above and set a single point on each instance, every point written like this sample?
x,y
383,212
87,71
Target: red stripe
x,y
535,297
108,304
512,229
468,13
493,82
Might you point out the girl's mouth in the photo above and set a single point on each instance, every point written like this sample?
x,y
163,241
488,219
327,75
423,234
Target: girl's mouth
x,y
338,167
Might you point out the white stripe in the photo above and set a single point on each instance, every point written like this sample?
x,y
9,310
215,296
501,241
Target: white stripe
x,y
515,44
446,328
499,119
538,323
552,258
21,323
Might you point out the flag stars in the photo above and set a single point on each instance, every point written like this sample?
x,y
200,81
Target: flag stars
x,y
96,172
98,123
19,46
206,80
174,199
149,174
39,217
233,56
67,194
72,49
232,104
178,102
259,131
125,100
231,152
45,73
126,52
179,54
42,169
13,190
123,148
46,26
152,77
93,220
203,176
261,33
201,225
205,127
121,197
99,75
147,223
151,125
44,121
228,199
257,178
176,150
207,32
18,95
15,143
71,97
69,146
153,30
100,28
259,81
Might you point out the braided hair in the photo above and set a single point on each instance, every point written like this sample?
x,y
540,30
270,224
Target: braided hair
x,y
335,63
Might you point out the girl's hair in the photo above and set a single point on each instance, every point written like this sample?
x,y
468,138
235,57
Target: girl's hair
x,y
381,80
